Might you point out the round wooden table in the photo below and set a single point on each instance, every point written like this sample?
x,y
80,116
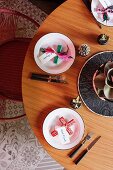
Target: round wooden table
x,y
74,20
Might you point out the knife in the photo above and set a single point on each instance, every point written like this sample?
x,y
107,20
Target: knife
x,y
88,5
87,137
48,78
86,150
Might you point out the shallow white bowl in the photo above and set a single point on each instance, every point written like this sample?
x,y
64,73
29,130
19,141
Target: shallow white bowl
x,y
52,119
52,40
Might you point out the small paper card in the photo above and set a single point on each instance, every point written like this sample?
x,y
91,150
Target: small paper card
x,y
44,58
105,3
63,135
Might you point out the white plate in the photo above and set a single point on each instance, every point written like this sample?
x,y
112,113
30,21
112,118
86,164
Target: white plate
x,y
53,118
99,16
52,40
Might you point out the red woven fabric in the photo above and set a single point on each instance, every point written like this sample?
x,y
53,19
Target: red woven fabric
x,y
12,56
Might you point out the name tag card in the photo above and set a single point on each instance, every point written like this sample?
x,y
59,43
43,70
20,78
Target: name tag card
x,y
44,58
63,135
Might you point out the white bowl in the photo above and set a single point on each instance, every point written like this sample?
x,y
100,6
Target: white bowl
x,y
52,120
52,40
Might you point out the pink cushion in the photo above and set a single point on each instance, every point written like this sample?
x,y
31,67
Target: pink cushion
x,y
12,56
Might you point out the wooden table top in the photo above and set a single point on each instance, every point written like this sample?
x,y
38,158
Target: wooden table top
x,y
74,20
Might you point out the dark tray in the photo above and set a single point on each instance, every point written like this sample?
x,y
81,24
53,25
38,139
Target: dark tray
x,y
85,84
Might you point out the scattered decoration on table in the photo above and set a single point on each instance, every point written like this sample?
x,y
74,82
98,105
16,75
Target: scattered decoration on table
x,y
50,53
64,130
63,121
84,50
102,39
54,133
76,103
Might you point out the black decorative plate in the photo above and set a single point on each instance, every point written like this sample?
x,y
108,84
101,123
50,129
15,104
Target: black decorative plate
x,y
85,84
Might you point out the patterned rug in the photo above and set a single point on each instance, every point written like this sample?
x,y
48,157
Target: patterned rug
x,y
19,148
26,7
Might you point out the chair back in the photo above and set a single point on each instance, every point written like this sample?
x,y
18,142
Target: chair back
x,y
16,31
14,24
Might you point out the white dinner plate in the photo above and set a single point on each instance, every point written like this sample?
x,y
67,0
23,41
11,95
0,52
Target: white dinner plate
x,y
53,40
98,15
53,119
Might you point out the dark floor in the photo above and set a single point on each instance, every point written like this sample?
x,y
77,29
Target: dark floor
x,y
47,5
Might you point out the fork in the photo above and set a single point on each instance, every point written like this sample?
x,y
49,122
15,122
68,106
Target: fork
x,y
87,137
